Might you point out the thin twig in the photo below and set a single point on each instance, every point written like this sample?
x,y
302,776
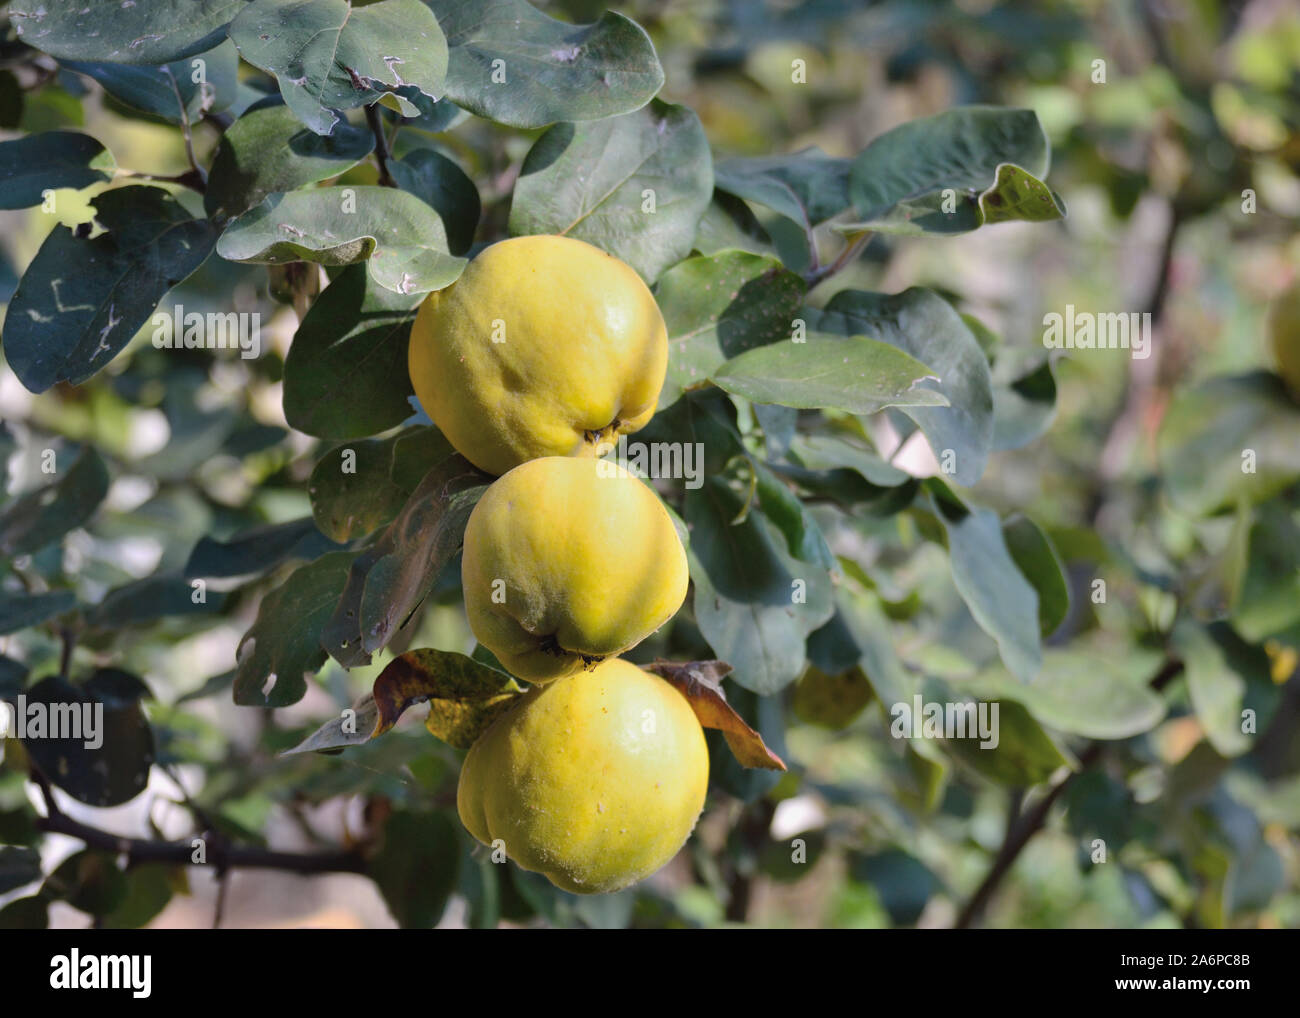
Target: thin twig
x,y
196,169
848,255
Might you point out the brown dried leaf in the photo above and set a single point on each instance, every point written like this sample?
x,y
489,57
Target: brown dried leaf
x,y
464,696
701,683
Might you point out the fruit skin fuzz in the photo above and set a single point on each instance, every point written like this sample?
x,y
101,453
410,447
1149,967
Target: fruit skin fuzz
x,y
567,562
545,346
595,780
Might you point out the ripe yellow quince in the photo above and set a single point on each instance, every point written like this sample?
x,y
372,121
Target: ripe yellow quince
x,y
595,780
545,346
568,561
1284,332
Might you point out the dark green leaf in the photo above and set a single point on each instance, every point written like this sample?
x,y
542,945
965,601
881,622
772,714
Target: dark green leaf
x,y
999,597
18,866
81,300
598,181
1037,558
440,183
346,373
143,32
329,55
44,162
256,550
718,307
923,324
21,611
902,881
807,187
45,515
1023,755
169,91
401,239
284,642
152,598
513,64
415,867
99,764
754,602
268,150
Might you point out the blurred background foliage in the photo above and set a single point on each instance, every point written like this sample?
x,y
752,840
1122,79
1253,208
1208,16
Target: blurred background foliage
x,y
1200,104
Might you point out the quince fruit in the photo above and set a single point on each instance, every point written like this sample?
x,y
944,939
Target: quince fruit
x,y
568,561
595,780
545,346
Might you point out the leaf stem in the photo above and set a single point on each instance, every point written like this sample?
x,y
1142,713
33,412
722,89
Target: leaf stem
x,y
382,151
849,254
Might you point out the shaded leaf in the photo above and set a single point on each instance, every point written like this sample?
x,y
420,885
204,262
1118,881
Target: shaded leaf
x,y
169,90
82,299
268,150
924,325
416,866
593,180
718,307
701,683
22,611
46,514
18,866
1023,755
807,187
546,70
389,580
151,598
284,642
352,727
441,184
104,759
31,165
256,550
1037,559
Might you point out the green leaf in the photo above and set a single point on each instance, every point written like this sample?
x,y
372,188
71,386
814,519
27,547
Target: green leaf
x,y
1024,407
595,180
45,515
1036,557
754,602
169,91
268,150
1268,598
923,324
107,762
1218,692
145,32
18,866
830,452
148,890
898,182
151,598
402,237
441,184
728,223
857,374
82,299
352,727
53,159
329,55
903,882
255,550
391,578
513,64
718,307
807,187
416,866
1024,754
999,597
1213,432
1084,692
89,881
346,373
22,611
356,489
284,642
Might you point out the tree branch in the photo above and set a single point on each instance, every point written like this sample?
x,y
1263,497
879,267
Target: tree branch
x,y
139,851
1020,833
